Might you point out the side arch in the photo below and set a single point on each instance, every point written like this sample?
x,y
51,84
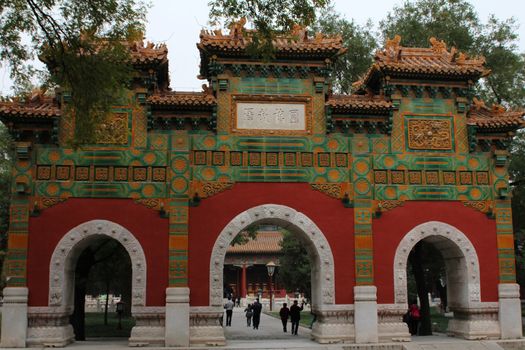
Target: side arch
x,y
67,251
460,257
322,267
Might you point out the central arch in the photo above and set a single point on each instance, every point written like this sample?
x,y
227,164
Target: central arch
x,y
323,286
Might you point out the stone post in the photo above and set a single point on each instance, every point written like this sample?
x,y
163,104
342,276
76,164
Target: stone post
x,y
14,315
509,310
177,317
365,314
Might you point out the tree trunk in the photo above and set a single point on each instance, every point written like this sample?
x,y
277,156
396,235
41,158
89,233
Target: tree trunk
x,y
107,303
77,319
416,259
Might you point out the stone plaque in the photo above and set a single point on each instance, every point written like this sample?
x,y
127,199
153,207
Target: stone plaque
x,y
271,116
430,134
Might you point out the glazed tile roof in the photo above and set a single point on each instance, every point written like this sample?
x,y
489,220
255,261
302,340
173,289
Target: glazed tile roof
x,y
359,103
297,43
183,99
496,117
265,242
37,105
435,61
148,53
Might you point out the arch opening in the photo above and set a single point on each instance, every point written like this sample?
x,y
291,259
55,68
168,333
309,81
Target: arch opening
x,y
461,267
72,248
301,228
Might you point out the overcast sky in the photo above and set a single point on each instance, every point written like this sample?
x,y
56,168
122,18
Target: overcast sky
x,y
178,24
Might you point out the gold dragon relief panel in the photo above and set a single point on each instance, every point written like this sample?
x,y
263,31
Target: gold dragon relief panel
x,y
114,130
433,134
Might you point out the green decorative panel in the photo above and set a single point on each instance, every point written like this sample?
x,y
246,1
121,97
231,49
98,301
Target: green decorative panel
x,y
56,156
287,86
100,190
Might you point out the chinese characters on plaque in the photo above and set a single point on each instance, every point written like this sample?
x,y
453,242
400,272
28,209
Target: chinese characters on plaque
x,y
271,116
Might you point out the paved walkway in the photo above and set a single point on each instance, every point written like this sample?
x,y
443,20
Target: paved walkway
x,y
270,328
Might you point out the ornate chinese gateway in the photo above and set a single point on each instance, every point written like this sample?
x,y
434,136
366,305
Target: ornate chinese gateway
x,y
360,179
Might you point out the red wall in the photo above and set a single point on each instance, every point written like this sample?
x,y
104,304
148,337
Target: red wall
x,y
145,224
393,225
213,214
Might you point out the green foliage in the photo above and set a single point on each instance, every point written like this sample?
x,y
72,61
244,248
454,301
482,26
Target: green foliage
x,y
268,18
458,24
245,236
294,266
111,270
82,43
360,44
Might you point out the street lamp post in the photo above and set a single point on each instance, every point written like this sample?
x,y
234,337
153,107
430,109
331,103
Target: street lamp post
x,y
271,269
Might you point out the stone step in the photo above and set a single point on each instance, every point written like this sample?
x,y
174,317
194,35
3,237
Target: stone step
x,y
459,345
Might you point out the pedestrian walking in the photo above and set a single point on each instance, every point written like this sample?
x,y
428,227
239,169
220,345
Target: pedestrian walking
x,y
295,315
257,308
249,314
229,311
284,313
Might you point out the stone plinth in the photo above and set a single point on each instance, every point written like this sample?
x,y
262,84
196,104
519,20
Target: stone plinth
x,y
14,316
510,311
365,315
177,317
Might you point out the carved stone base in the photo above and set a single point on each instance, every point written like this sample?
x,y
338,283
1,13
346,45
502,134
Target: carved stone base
x,y
479,322
391,326
55,337
149,327
49,327
205,327
334,324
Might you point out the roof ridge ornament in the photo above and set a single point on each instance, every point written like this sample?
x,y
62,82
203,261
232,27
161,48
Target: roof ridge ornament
x,y
392,48
237,28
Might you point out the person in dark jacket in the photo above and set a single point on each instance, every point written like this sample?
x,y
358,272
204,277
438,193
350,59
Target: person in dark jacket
x,y
284,313
256,308
295,315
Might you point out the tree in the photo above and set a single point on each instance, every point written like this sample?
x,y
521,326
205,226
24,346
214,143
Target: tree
x,y
360,44
428,268
294,265
84,45
458,24
268,18
107,265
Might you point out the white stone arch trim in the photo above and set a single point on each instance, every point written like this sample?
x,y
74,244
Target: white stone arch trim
x,y
63,260
281,213
452,234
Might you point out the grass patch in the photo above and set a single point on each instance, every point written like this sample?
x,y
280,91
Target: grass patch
x,y
95,327
439,321
306,317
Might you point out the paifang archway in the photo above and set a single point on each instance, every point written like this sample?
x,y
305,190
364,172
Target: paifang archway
x,y
304,229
